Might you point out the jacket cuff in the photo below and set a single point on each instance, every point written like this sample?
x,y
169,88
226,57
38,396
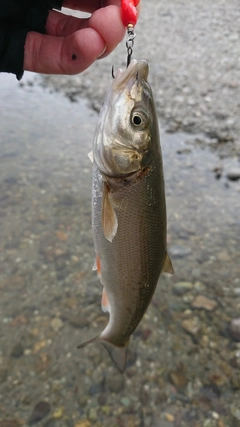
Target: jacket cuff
x,y
12,48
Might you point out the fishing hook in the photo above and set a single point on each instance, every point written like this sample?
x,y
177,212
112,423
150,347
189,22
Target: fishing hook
x,y
113,75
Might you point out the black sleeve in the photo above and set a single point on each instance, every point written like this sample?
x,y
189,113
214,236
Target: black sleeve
x,y
17,18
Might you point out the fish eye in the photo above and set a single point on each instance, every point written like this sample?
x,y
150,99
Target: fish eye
x,y
137,120
140,119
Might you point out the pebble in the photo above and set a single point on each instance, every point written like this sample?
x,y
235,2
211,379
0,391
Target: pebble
x,y
169,417
115,383
79,321
83,423
17,351
192,325
40,411
61,235
39,346
56,324
203,302
92,414
235,329
235,410
19,320
218,379
234,174
58,413
181,288
178,251
224,256
178,378
3,375
11,423
42,362
125,401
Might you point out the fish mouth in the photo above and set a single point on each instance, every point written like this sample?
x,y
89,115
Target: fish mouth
x,y
136,70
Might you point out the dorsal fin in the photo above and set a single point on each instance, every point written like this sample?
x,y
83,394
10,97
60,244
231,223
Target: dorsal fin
x,y
109,217
167,265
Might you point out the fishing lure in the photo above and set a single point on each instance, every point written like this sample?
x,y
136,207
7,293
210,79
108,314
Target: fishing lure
x,y
129,18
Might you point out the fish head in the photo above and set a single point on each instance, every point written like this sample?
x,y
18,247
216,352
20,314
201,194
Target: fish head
x,y
122,143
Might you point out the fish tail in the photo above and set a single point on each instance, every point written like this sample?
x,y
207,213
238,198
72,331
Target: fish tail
x,y
117,354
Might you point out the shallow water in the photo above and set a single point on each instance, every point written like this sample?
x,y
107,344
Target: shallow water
x,y
50,298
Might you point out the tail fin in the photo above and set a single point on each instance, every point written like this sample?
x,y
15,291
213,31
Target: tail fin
x,y
117,354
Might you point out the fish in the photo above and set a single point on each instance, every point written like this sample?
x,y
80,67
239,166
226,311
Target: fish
x,y
129,220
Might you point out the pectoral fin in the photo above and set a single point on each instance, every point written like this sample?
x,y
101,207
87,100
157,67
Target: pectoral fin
x,y
109,217
167,265
90,156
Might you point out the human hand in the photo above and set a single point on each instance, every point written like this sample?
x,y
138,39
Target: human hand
x,y
71,44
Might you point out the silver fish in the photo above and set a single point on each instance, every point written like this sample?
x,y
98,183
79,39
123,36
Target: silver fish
x,y
128,206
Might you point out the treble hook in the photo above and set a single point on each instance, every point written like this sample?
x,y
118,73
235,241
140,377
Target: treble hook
x,y
130,42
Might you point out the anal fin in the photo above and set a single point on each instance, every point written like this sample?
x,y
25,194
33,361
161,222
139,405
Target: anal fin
x,y
167,265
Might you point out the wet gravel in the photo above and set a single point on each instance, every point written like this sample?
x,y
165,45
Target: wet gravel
x,y
183,366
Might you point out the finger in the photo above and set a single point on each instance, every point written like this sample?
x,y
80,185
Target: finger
x,y
107,22
61,25
108,19
89,5
58,55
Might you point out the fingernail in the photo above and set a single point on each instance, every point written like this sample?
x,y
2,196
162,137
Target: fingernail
x,y
105,47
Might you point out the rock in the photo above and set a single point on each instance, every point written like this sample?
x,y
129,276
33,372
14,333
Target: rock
x,y
178,379
218,379
61,235
11,423
203,302
58,413
115,383
233,174
19,320
92,414
83,423
42,362
39,346
178,251
235,410
3,375
56,324
146,334
17,351
126,401
224,256
40,411
181,288
144,397
169,417
235,381
235,329
106,409
79,321
192,325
